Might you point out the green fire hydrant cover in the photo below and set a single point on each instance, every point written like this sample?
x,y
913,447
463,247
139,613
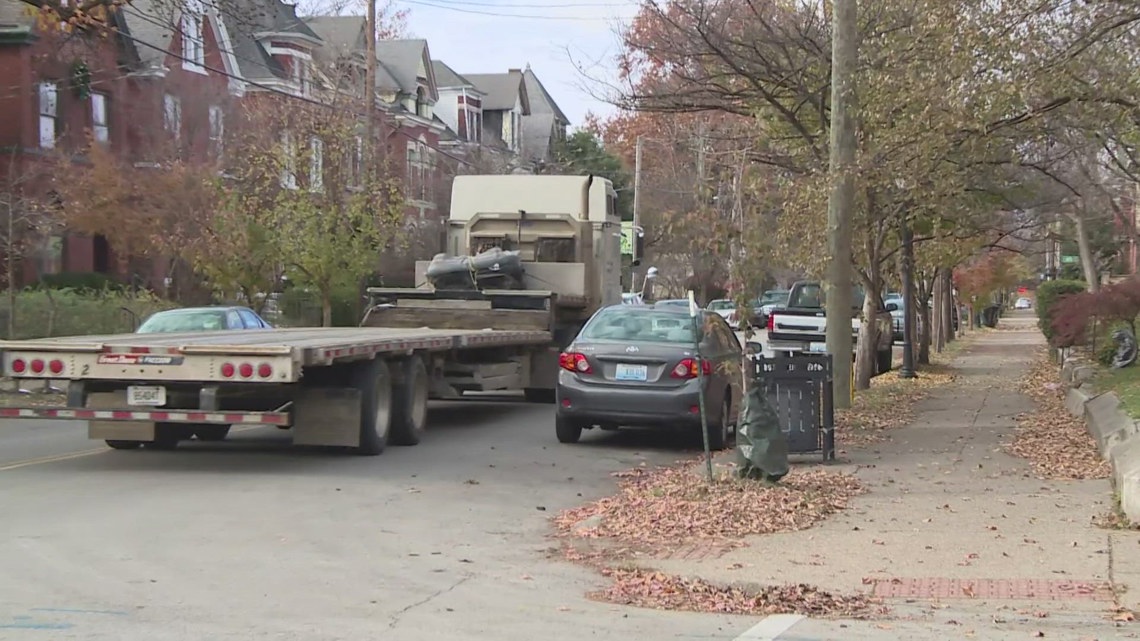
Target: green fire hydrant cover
x,y
761,447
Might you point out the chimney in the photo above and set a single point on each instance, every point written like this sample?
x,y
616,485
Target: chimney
x,y
514,70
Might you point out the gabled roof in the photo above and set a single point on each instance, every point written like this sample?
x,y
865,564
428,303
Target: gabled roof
x,y
446,77
537,134
249,21
404,59
540,99
344,38
502,89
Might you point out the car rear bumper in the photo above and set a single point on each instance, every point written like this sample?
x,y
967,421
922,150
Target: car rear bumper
x,y
627,406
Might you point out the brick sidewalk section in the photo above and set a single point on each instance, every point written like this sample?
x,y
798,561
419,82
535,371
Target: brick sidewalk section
x,y
951,517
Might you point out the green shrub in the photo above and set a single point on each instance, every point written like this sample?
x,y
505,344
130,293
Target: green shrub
x,y
79,281
302,308
68,312
1048,293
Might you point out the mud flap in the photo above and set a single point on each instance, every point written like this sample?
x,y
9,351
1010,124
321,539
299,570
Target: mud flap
x,y
116,430
327,416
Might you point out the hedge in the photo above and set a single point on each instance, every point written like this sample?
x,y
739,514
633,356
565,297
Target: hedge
x,y
1048,293
71,312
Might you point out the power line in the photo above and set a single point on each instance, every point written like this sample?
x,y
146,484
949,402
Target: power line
x,y
500,5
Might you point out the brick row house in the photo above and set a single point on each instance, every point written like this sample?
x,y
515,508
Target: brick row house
x,y
169,81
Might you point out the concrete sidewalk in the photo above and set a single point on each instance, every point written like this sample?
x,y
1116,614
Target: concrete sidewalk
x,y
958,537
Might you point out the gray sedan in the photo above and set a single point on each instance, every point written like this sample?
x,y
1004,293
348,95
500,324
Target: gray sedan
x,y
637,367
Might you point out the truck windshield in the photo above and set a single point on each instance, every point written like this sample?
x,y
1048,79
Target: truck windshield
x,y
811,295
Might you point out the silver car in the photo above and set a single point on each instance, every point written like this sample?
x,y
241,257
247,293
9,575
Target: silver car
x,y
636,366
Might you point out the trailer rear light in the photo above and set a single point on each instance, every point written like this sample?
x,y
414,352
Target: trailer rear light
x,y
19,366
574,362
246,370
56,366
227,370
771,322
687,368
265,370
37,366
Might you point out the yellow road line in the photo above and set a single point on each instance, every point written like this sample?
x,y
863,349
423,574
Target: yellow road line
x,y
53,459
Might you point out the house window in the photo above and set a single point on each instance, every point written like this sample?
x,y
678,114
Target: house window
x,y
421,103
299,70
193,45
316,164
99,127
172,115
288,162
414,178
427,156
217,130
478,126
49,110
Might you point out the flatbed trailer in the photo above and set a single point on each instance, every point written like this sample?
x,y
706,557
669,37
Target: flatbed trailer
x,y
358,388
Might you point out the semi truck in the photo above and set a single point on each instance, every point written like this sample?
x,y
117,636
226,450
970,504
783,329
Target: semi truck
x,y
361,388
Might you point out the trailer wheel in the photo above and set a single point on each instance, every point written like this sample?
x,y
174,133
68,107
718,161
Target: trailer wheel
x,y
539,395
124,445
211,432
409,413
375,384
167,435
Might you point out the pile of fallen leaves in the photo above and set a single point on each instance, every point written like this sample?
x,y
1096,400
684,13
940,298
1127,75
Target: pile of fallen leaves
x,y
888,405
650,589
1056,443
664,507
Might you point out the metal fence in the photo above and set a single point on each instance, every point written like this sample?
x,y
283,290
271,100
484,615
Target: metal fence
x,y
800,389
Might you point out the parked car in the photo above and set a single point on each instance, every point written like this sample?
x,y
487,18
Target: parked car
x,y
1023,303
673,302
768,302
727,310
634,366
202,319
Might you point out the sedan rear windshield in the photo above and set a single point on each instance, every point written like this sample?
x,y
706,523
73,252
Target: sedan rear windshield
x,y
641,326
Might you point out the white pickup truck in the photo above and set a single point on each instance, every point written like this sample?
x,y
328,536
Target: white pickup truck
x,y
802,325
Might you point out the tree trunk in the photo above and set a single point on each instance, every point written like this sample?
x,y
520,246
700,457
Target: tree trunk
x,y
865,356
948,305
924,343
938,333
326,308
1088,264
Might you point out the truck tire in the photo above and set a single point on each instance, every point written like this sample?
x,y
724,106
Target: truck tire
x,y
885,361
375,384
211,432
124,445
539,395
168,435
409,414
567,431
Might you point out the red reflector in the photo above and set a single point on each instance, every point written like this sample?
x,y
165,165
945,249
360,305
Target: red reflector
x,y
228,370
246,370
696,409
565,402
19,366
37,366
265,370
56,367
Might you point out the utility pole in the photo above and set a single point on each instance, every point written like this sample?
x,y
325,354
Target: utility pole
x,y
841,204
907,233
636,210
370,84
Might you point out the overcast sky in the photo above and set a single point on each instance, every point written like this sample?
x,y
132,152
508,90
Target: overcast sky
x,y
558,38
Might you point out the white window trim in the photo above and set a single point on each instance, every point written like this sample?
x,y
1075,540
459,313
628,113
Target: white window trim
x,y
193,26
172,115
217,130
289,162
96,126
45,90
316,165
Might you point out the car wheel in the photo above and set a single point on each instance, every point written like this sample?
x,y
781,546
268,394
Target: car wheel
x,y
718,432
567,431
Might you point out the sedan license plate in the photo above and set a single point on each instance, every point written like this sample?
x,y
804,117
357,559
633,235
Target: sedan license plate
x,y
631,372
817,348
153,395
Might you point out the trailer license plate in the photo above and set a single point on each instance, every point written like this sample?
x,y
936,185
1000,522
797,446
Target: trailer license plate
x,y
153,395
631,372
817,348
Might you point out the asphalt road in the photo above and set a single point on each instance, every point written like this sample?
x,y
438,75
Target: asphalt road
x,y
251,539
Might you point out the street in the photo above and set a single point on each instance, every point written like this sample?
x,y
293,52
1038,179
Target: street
x,y
249,539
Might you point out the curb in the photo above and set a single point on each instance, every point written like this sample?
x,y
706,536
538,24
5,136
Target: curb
x,y
1115,432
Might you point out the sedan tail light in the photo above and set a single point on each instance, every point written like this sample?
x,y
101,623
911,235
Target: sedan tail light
x,y
687,368
574,362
